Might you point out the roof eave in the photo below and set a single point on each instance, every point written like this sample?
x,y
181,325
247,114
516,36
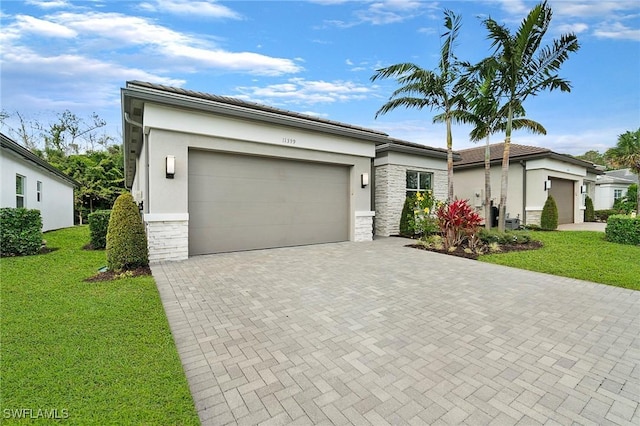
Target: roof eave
x,y
425,152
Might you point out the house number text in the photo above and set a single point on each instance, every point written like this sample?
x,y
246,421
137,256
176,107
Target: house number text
x,y
289,141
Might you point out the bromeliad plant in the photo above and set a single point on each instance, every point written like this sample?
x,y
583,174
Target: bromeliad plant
x,y
458,223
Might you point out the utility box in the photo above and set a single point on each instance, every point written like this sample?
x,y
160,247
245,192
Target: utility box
x,y
512,224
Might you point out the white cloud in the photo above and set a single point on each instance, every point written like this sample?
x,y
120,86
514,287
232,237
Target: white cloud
x,y
48,4
617,30
301,91
29,24
577,28
193,8
174,48
383,12
598,9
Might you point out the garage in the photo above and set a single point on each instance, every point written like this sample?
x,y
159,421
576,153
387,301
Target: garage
x,y
562,192
244,202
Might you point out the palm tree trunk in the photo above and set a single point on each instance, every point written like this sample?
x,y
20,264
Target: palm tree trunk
x,y
449,160
487,186
504,182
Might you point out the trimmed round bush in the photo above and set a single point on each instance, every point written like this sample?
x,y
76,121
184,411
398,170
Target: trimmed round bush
x,y
549,218
126,239
20,231
98,226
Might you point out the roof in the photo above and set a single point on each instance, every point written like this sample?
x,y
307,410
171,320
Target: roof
x,y
13,146
136,93
474,157
400,145
624,174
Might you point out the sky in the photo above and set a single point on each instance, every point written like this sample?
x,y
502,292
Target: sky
x,y
312,57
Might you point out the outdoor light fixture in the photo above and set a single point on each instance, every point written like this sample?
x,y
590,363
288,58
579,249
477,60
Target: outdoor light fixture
x,y
583,189
547,185
364,179
170,162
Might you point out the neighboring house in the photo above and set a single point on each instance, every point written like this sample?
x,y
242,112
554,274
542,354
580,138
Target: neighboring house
x,y
611,186
402,168
215,174
29,181
531,171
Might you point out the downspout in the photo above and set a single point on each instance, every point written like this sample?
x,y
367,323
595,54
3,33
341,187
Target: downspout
x,y
524,191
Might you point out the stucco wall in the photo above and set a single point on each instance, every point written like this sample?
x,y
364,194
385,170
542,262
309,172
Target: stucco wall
x,y
604,195
391,186
56,205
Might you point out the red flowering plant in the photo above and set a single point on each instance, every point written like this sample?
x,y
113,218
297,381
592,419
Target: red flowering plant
x,y
458,223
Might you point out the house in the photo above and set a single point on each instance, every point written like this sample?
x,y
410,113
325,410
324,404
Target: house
x,y
29,181
215,174
534,174
611,186
402,168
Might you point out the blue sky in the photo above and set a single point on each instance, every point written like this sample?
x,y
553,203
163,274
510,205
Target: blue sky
x,y
312,57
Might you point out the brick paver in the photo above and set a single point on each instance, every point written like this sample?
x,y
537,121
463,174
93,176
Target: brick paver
x,y
375,332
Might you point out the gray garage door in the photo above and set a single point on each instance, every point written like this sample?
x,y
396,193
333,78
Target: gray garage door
x,y
562,193
241,202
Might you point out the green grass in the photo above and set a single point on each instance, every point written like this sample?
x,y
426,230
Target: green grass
x,y
578,254
99,353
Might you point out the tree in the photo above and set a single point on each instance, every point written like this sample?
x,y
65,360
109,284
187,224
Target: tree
x,y
626,153
489,118
126,238
524,69
439,90
549,217
594,157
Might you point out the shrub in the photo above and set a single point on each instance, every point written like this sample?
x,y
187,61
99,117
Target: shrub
x,y
623,229
20,231
603,215
98,226
126,239
629,202
549,218
407,217
458,222
510,237
589,213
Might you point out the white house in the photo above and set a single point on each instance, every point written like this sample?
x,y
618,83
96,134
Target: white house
x,y
28,181
611,186
215,174
534,174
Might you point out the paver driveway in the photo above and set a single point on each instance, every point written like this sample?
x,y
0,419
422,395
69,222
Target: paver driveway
x,y
375,333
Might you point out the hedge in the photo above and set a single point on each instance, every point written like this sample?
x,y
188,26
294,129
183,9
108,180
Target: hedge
x,y
623,229
549,217
20,231
98,225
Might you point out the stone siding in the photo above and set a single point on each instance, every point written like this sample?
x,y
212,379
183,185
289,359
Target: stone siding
x,y
533,217
364,226
168,240
390,193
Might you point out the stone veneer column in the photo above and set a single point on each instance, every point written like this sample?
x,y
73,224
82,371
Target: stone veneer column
x,y
364,226
167,236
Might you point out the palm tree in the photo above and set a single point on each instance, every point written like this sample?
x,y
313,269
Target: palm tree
x,y
488,118
626,153
524,69
438,90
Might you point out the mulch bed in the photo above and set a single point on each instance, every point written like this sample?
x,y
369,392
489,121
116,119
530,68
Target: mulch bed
x,y
113,275
459,251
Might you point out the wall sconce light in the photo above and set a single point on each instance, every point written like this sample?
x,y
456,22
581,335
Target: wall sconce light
x,y
364,179
583,189
547,185
170,162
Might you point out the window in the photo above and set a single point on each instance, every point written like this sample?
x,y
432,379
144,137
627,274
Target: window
x,y
38,191
418,181
20,190
617,194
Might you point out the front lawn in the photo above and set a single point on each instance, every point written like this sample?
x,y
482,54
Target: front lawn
x,y
93,353
583,255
